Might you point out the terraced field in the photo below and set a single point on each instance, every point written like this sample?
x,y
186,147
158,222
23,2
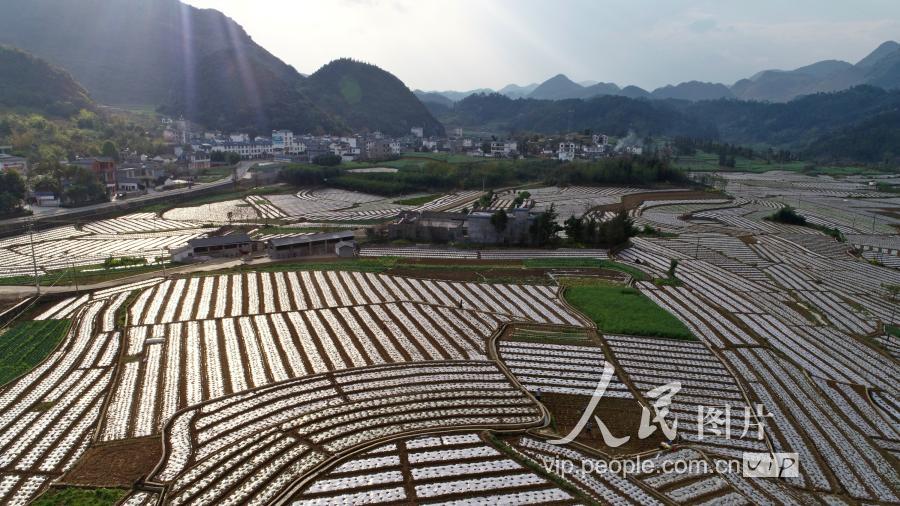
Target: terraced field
x,y
314,387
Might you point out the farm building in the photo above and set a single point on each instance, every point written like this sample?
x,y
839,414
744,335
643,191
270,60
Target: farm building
x,y
429,227
233,245
345,249
517,230
331,243
458,227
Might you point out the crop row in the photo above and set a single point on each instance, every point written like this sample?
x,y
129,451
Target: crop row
x,y
252,447
186,363
257,293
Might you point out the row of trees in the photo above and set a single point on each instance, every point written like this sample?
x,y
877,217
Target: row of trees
x,y
441,176
604,234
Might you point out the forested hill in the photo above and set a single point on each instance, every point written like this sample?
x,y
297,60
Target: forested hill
x,y
29,84
613,115
200,63
817,125
365,97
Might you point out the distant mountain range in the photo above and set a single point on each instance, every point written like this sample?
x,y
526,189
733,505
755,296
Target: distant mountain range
x,y
201,64
860,124
880,68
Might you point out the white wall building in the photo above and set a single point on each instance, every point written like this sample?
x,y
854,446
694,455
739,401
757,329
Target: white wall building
x,y
503,148
284,142
566,151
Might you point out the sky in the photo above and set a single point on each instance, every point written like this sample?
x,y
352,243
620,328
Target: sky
x,y
468,44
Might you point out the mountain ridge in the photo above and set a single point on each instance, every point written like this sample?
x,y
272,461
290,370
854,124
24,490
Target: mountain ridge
x,y
28,83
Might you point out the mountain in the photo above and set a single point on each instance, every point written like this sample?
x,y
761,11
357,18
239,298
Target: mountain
x,y
456,96
557,87
693,91
601,89
516,91
634,92
127,51
271,99
200,63
879,68
863,115
885,72
874,140
29,84
885,49
609,114
366,98
434,97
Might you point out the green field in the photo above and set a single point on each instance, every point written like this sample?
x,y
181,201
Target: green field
x,y
623,310
25,344
80,496
417,201
86,275
574,263
702,162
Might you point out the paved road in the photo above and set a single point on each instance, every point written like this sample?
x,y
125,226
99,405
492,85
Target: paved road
x,y
61,212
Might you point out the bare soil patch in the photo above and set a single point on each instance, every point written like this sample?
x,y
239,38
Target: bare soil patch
x,y
621,416
117,464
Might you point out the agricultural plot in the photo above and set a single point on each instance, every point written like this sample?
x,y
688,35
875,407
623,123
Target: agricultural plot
x,y
48,415
328,205
802,295
573,200
836,449
251,448
195,339
455,467
573,369
705,385
216,213
26,344
142,235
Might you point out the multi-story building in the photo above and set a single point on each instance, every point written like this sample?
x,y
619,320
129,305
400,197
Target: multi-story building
x,y
503,149
102,167
566,151
284,143
248,150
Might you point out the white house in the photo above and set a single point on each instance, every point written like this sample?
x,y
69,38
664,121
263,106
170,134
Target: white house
x,y
566,151
503,149
283,142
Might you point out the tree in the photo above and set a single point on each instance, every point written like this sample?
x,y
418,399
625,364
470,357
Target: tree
x,y
544,228
672,266
499,220
787,214
110,150
327,160
574,228
12,191
81,187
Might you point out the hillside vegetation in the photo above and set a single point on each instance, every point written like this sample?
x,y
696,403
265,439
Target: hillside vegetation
x,y
29,84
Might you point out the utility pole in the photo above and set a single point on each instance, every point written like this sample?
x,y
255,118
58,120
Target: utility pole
x,y
37,282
